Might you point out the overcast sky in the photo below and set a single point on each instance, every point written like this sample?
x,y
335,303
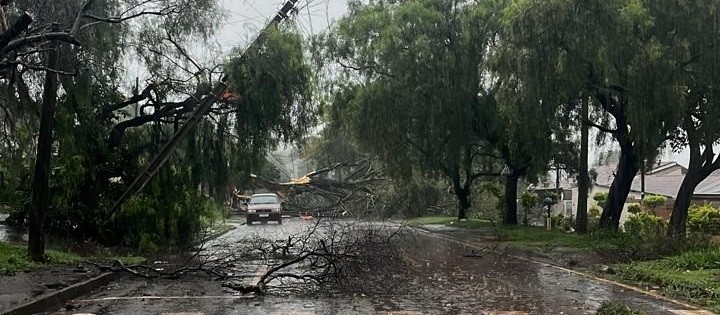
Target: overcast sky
x,y
247,17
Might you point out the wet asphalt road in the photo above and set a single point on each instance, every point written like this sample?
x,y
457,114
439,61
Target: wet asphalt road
x,y
438,280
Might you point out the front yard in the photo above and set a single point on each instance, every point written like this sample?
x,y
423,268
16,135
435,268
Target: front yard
x,y
13,258
692,276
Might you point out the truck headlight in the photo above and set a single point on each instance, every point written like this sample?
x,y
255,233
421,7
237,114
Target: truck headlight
x,y
251,211
276,210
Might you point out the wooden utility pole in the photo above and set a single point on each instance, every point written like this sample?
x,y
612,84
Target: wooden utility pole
x,y
203,108
642,179
41,175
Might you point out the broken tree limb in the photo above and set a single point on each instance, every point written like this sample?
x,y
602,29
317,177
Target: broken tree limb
x,y
16,29
167,150
159,160
39,38
324,195
107,110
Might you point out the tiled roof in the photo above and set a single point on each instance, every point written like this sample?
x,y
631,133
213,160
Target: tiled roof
x,y
659,184
710,186
667,185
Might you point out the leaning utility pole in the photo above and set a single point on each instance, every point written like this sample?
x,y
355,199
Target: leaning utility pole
x,y
203,108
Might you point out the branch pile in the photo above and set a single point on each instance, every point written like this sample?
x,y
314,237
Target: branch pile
x,y
340,189
329,255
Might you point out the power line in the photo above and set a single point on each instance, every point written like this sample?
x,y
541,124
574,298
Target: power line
x,y
203,108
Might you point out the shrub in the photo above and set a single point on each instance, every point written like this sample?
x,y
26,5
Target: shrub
x,y
593,217
645,226
528,201
634,208
562,222
704,219
653,201
600,198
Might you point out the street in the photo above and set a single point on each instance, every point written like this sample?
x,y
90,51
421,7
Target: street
x,y
439,279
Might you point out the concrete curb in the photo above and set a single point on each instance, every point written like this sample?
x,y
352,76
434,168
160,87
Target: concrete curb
x,y
58,299
215,235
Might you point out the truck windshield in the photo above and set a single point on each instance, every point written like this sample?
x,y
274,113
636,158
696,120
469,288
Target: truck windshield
x,y
263,200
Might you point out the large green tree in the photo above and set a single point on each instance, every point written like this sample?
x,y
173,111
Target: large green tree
x,y
108,125
618,52
695,25
415,94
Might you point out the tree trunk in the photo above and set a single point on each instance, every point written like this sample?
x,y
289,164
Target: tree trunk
x,y
682,203
463,202
581,220
40,189
511,182
620,188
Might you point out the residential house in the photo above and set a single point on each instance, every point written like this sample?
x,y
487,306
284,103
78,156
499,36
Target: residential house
x,y
663,178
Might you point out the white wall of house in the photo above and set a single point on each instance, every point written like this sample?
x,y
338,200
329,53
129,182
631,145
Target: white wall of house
x,y
560,208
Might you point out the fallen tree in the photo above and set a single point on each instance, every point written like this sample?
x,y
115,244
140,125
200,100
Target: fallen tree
x,y
328,255
317,192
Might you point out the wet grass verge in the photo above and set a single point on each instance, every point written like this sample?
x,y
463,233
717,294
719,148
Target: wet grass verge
x,y
610,308
693,276
451,221
13,258
520,236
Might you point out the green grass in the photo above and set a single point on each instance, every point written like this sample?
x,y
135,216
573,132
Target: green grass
x,y
13,258
451,221
694,276
540,237
695,260
523,236
611,308
431,220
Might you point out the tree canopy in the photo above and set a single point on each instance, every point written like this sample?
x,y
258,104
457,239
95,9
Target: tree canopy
x,y
414,100
108,126
622,54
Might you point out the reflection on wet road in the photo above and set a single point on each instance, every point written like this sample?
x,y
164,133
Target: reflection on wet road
x,y
439,279
445,281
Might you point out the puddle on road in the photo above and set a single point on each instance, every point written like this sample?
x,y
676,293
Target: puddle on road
x,y
442,280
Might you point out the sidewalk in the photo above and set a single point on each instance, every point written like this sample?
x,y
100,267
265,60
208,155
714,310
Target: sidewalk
x,y
50,287
36,285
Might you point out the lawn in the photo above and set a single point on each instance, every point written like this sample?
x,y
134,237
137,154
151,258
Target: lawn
x,y
450,221
694,276
13,258
529,236
524,236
